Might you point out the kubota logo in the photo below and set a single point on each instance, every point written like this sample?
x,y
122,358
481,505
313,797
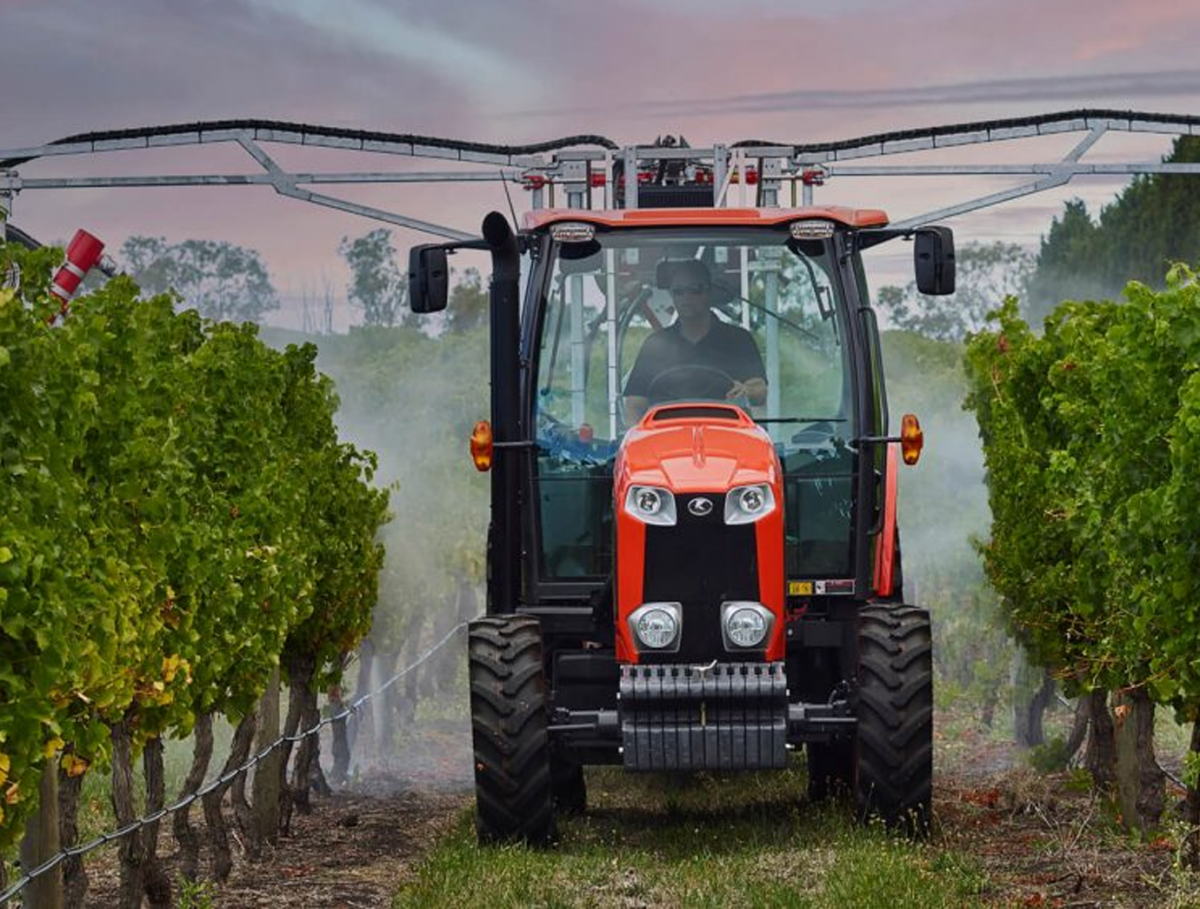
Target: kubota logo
x,y
700,507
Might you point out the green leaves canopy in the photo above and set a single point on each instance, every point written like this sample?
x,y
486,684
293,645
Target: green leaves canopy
x,y
1092,439
175,509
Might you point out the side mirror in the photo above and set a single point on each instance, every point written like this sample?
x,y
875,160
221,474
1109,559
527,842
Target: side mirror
x,y
428,278
933,260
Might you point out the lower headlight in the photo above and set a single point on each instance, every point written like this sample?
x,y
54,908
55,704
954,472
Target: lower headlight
x,y
746,626
656,626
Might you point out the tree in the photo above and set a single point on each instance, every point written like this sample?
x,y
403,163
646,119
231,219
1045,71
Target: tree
x,y
222,281
987,273
1154,222
468,306
1067,263
376,283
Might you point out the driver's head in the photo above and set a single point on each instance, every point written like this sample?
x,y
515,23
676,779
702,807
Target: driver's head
x,y
691,287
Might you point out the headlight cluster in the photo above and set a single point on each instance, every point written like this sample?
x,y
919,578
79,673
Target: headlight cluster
x,y
657,625
747,504
743,504
651,505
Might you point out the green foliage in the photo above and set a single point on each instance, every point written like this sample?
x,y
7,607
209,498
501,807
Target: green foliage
x,y
1092,439
176,508
1153,222
195,894
1049,757
986,274
221,280
377,285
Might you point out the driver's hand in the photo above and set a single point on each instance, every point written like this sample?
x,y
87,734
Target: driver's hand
x,y
753,390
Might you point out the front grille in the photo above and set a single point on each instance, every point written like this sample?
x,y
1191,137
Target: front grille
x,y
701,562
732,716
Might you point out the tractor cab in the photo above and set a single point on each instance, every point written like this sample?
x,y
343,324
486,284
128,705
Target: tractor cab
x,y
620,333
693,558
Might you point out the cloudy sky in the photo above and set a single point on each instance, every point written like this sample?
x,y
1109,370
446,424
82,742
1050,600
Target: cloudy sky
x,y
527,70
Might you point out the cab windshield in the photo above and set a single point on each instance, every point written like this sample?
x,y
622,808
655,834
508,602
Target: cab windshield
x,y
639,318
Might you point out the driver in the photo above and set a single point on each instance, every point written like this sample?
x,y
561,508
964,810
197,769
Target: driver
x,y
698,355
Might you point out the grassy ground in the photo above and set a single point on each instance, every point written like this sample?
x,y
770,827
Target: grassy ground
x,y
744,840
1006,835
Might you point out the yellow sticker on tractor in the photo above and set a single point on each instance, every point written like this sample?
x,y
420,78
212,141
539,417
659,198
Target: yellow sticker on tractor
x,y
800,588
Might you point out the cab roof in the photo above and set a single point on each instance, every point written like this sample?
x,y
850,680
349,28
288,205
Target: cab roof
x,y
715,217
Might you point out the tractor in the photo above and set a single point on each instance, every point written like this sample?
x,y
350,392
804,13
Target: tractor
x,y
702,572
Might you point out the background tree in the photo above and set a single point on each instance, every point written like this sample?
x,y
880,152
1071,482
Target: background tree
x,y
1153,222
468,306
377,285
222,281
987,273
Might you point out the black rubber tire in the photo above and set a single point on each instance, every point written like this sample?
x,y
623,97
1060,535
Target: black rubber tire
x,y
895,716
513,787
570,787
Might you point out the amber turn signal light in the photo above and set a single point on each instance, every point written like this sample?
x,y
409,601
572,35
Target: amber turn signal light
x,y
912,439
481,445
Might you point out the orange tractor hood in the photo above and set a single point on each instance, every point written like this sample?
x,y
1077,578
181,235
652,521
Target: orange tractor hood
x,y
699,448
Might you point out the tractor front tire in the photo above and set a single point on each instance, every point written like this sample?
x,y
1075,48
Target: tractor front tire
x,y
895,716
513,784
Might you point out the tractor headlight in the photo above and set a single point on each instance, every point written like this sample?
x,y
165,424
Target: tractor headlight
x,y
656,625
651,505
746,504
745,625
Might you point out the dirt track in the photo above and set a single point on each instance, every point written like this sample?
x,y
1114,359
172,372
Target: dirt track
x,y
1040,841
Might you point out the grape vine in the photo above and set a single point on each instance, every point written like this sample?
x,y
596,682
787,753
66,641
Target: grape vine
x,y
176,514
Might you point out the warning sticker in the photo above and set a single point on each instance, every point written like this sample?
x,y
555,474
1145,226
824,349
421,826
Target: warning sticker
x,y
800,588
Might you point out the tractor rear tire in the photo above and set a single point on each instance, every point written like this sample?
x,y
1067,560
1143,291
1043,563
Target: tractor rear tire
x,y
895,716
513,785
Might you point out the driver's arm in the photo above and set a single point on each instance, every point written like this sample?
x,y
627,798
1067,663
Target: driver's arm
x,y
749,363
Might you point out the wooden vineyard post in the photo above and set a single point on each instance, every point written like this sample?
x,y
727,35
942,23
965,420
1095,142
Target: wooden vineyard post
x,y
267,774
41,843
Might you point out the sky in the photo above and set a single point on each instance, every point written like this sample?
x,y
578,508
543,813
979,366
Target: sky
x,y
528,70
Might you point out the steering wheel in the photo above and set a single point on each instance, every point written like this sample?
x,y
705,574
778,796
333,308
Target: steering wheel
x,y
690,381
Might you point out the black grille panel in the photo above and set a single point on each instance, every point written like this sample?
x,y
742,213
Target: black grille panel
x,y
701,562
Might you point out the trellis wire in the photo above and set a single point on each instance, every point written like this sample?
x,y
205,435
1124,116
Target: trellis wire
x,y
223,780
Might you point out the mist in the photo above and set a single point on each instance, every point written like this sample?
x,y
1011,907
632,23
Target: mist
x,y
412,399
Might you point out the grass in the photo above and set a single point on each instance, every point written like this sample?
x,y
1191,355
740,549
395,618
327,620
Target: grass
x,y
746,840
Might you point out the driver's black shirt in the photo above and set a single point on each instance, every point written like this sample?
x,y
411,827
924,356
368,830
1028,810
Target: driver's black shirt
x,y
729,348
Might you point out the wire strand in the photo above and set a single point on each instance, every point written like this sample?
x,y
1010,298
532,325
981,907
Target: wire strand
x,y
224,780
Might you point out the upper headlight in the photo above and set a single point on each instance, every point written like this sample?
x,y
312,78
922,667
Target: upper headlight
x,y
651,505
746,504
